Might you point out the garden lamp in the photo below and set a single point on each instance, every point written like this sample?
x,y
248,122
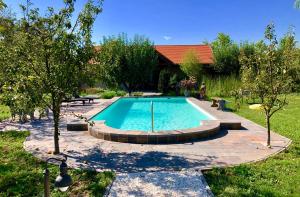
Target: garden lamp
x,y
62,181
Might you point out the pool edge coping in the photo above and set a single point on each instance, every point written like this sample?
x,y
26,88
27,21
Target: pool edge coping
x,y
100,130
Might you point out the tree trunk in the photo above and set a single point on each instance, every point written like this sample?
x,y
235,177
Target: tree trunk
x,y
56,114
127,87
269,131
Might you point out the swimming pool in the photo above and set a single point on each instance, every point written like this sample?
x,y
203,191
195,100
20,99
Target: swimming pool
x,y
173,113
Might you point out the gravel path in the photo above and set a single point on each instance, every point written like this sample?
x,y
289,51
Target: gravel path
x,y
154,184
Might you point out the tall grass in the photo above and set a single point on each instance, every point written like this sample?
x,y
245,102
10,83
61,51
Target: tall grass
x,y
221,86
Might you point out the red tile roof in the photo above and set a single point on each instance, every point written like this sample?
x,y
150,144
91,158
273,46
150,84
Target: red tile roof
x,y
175,53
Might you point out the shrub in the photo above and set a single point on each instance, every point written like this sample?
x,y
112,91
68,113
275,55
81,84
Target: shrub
x,y
108,94
121,93
191,65
93,90
137,94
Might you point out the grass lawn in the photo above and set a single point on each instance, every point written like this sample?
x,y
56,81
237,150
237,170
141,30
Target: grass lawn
x,y
4,112
21,174
278,175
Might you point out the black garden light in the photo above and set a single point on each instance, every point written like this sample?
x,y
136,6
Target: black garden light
x,y
62,181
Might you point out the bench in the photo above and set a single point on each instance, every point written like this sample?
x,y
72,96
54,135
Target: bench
x,y
83,100
89,98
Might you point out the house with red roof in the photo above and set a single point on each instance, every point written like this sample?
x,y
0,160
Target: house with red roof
x,y
171,56
174,54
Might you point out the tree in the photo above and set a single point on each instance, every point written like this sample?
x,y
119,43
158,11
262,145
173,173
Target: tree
x,y
287,44
191,65
52,51
265,74
126,62
2,5
297,4
226,54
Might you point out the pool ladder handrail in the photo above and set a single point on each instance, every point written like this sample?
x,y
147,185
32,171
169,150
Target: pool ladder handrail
x,y
152,116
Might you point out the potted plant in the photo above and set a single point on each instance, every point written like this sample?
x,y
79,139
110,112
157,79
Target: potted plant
x,y
187,84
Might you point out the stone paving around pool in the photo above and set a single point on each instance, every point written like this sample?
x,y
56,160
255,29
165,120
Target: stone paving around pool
x,y
227,148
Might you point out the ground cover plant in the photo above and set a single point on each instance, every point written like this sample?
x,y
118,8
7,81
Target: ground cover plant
x,y
277,176
22,173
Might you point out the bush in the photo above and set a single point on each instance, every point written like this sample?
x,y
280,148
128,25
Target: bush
x,y
121,93
108,94
93,90
137,93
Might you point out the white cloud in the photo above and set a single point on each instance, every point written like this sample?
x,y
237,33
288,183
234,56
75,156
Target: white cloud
x,y
167,37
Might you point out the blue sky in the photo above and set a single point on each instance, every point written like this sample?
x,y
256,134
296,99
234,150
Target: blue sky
x,y
187,21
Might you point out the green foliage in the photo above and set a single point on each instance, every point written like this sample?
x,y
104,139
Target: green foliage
x,y
92,90
221,86
120,93
226,55
279,175
269,68
287,48
297,4
2,5
137,93
108,94
22,174
46,54
126,62
4,112
164,80
191,65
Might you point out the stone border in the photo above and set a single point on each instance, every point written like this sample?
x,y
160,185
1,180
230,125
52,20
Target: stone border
x,y
208,128
102,131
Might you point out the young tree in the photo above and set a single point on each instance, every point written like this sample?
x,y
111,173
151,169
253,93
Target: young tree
x,y
191,65
126,62
265,74
52,51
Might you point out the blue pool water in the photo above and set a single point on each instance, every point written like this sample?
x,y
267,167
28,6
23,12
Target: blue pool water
x,y
169,114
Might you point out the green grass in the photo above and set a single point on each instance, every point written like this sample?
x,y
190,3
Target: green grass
x,y
21,174
278,175
4,112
